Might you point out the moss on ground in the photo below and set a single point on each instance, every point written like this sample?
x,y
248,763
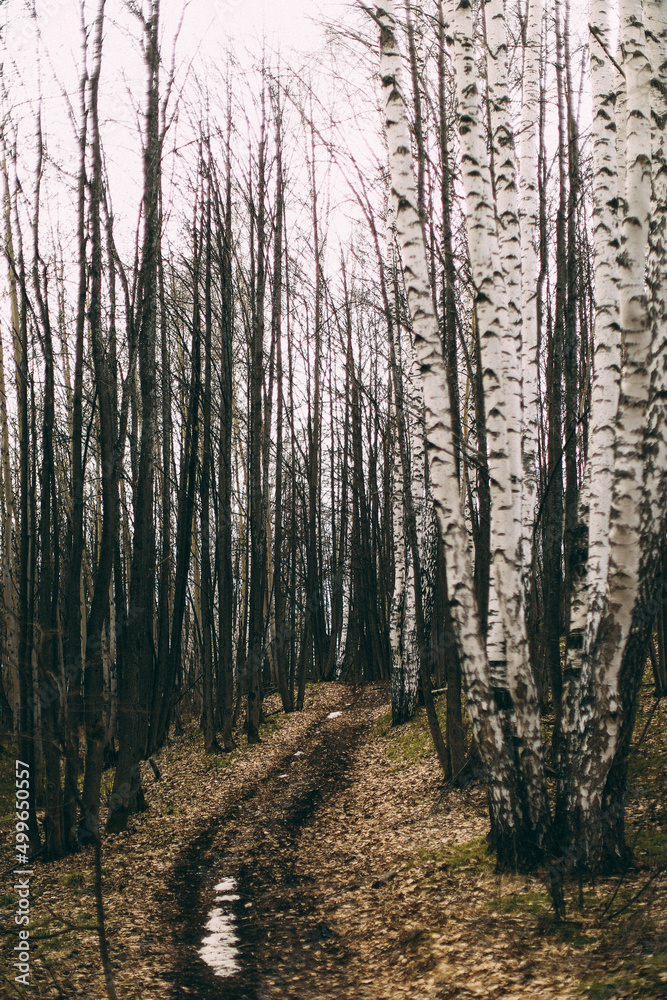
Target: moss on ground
x,y
74,880
524,902
651,847
410,742
643,980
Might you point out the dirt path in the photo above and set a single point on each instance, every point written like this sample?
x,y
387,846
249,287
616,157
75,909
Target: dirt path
x,y
258,843
363,881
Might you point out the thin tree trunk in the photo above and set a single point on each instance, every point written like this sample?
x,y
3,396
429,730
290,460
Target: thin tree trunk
x,y
257,508
210,741
128,794
225,678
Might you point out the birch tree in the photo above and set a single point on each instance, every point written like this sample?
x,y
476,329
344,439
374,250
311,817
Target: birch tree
x,y
507,815
614,580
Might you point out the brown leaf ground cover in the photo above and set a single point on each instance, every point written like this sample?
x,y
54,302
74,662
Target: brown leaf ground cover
x,y
357,876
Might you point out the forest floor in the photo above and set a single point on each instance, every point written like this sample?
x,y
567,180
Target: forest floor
x,y
354,875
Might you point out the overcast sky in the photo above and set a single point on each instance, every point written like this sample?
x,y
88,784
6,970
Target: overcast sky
x,y
209,27
285,22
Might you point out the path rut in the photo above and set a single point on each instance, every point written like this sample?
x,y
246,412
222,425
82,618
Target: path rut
x,y
256,842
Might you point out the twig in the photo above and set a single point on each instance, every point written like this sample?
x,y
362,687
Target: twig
x,y
596,35
49,969
99,904
636,896
367,10
12,984
648,723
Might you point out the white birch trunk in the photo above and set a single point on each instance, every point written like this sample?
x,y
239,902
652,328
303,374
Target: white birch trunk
x,y
422,493
593,745
495,640
503,413
529,210
511,250
402,628
509,237
590,588
504,802
345,587
624,540
653,592
404,632
656,473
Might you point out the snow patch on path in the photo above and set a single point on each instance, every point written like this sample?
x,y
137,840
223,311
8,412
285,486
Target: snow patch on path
x,y
220,948
333,715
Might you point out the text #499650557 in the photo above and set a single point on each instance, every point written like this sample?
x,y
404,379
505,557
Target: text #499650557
x,y
22,873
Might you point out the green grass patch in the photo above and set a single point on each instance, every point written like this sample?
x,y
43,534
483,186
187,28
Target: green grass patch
x,y
523,902
383,724
651,847
596,989
216,762
658,962
74,880
644,979
410,742
646,773
472,855
221,761
272,724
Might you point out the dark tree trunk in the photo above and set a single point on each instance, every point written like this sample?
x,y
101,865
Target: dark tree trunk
x,y
225,679
27,733
166,560
105,374
47,595
210,741
72,618
570,354
257,430
552,527
128,796
276,323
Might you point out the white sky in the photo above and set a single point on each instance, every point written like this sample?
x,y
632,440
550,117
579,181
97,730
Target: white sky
x,y
284,22
209,28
